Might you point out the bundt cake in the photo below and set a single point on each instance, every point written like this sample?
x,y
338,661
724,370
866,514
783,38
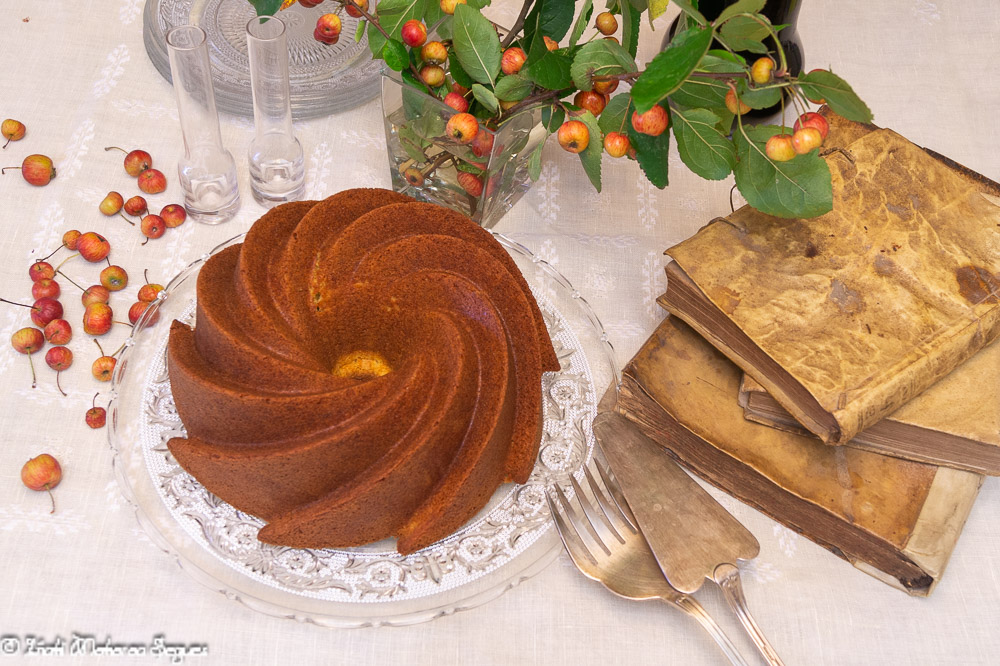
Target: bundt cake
x,y
360,368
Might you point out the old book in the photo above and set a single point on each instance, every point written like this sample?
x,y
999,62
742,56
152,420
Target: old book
x,y
845,317
956,422
895,519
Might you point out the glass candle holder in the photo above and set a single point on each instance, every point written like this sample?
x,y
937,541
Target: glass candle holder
x,y
277,166
207,170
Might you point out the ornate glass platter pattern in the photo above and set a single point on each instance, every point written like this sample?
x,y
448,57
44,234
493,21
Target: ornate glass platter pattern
x,y
508,541
324,78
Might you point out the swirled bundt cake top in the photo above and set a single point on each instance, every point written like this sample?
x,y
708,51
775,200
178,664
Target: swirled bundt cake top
x,y
361,367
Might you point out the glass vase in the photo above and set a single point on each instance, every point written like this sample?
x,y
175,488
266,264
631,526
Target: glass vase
x,y
207,170
277,166
483,179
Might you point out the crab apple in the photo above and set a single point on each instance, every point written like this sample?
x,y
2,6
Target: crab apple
x,y
45,310
591,101
152,181
573,136
413,176
36,169
309,4
432,75
93,247
114,278
152,226
45,288
616,144
471,183
96,416
414,33
550,43
448,6
27,341
103,368
482,145
512,60
606,23
59,359
135,162
41,270
813,119
457,102
806,140
97,319
434,53
138,309
12,130
329,26
96,293
606,87
761,70
111,203
320,37
653,122
779,148
735,104
58,332
458,88
135,205
173,215
353,8
70,238
148,292
42,473
462,127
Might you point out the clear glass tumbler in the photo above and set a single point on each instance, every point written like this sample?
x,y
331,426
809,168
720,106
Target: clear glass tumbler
x,y
277,167
207,170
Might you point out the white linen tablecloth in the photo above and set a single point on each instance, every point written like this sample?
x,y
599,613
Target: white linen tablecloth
x,y
77,74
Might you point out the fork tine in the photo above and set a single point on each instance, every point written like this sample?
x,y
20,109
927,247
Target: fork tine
x,y
597,514
616,493
581,524
589,519
575,546
608,509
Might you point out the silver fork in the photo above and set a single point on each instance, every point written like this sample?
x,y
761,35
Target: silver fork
x,y
621,559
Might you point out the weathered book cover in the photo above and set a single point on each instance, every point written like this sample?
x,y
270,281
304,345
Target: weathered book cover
x,y
956,422
846,317
895,519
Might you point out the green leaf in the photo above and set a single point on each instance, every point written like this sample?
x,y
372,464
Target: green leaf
x,y
411,79
657,8
551,71
591,155
513,88
742,33
841,98
485,97
689,9
599,58
758,98
413,144
630,28
552,118
551,18
652,153
392,14
476,44
616,114
266,7
704,92
668,70
469,168
460,76
395,55
798,188
581,22
444,27
702,147
535,161
359,32
740,7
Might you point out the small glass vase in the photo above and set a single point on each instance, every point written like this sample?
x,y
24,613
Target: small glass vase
x,y
277,165
429,166
207,170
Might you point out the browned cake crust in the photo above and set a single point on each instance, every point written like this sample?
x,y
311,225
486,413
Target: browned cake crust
x,y
362,367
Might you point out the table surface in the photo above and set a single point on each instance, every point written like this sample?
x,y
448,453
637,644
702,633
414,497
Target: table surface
x,y
78,75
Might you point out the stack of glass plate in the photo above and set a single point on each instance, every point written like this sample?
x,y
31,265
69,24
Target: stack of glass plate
x,y
324,78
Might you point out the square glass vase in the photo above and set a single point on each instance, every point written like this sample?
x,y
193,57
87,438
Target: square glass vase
x,y
428,165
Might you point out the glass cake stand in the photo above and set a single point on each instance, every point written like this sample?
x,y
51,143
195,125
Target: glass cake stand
x,y
511,539
323,78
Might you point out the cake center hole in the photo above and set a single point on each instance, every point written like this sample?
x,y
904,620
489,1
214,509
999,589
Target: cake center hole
x,y
361,365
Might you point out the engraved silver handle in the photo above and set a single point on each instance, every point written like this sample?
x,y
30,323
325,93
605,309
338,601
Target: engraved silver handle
x,y
691,606
728,578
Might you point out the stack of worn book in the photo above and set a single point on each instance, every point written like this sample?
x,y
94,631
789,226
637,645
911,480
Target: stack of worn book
x,y
840,373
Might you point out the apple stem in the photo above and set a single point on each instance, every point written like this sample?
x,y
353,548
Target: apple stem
x,y
4,300
100,349
118,351
6,144
49,254
116,148
125,323
75,254
58,385
51,497
3,171
126,219
107,260
34,383
70,280
145,275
